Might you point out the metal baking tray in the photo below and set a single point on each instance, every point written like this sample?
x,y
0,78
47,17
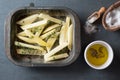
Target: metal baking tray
x,y
32,61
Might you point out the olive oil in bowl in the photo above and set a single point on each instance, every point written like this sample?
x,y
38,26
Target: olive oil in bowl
x,y
98,55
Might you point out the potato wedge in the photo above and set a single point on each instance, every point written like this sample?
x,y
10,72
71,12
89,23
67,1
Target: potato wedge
x,y
39,41
52,40
64,31
38,33
70,37
56,57
47,34
51,28
28,40
67,21
33,40
28,33
67,26
45,16
36,39
28,20
20,44
33,25
63,37
29,52
22,34
55,50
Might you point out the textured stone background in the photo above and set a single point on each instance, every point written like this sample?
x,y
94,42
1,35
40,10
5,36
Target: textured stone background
x,y
79,70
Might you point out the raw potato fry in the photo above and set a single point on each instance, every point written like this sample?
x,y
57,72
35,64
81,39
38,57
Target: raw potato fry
x,y
21,34
67,26
51,28
63,32
33,25
33,40
45,16
62,35
40,41
55,57
28,33
70,37
47,34
29,52
40,31
29,46
51,41
67,21
28,20
55,50
28,40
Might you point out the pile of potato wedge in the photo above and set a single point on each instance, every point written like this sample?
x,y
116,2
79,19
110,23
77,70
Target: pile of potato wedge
x,y
44,35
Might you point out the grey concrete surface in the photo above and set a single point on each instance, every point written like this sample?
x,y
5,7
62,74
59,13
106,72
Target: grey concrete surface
x,y
79,70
